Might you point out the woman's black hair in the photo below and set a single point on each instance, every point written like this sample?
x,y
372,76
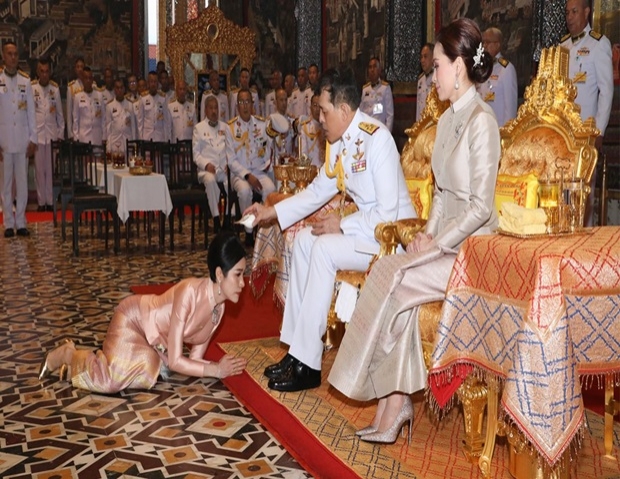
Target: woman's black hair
x,y
225,251
462,38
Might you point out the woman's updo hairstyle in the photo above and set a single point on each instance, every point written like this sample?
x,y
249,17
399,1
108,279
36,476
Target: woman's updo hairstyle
x,y
225,251
462,38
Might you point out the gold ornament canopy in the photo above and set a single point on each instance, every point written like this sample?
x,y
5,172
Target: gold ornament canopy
x,y
209,42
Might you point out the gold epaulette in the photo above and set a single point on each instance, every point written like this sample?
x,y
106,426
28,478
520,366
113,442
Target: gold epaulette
x,y
367,84
1,69
564,38
420,75
259,118
172,100
161,93
383,82
130,99
23,73
34,82
53,83
234,89
253,89
99,88
369,128
71,82
596,35
233,120
110,101
503,62
144,93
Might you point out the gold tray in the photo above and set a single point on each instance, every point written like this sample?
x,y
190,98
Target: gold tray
x,y
583,231
141,170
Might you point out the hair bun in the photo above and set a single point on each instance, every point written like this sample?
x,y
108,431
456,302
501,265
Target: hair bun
x,y
482,71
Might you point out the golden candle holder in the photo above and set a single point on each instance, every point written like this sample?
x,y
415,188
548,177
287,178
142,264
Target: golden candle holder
x,y
282,174
302,176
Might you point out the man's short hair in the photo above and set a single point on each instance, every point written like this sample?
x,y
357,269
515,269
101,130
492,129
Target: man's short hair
x,y
87,69
497,33
341,87
44,61
211,98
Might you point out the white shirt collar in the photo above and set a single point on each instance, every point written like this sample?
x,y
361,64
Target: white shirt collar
x,y
464,100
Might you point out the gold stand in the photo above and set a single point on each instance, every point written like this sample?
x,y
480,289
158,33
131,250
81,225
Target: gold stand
x,y
526,464
473,395
612,407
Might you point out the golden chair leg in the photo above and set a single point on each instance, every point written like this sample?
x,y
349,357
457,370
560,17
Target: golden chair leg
x,y
612,407
524,464
492,427
473,396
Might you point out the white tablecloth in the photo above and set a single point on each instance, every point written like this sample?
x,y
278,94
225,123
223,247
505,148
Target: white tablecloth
x,y
110,174
141,193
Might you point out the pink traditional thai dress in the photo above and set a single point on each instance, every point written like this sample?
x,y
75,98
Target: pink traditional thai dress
x,y
146,334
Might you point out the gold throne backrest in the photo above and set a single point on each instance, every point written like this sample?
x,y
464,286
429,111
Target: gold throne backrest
x,y
548,133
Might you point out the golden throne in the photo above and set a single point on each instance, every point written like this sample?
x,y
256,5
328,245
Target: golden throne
x,y
547,135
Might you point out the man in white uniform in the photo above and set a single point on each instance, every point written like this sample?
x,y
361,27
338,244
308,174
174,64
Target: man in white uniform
x,y
18,139
377,100
500,90
363,161
294,99
283,140
50,127
311,135
425,79
153,118
88,112
120,120
248,150
590,68
305,90
222,97
270,99
209,147
166,87
313,76
73,88
182,114
107,92
244,82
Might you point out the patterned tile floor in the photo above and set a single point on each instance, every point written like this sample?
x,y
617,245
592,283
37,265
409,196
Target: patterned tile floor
x,y
183,428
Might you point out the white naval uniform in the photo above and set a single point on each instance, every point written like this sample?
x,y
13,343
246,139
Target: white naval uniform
x,y
88,117
222,103
307,95
374,180
209,146
425,83
590,68
73,88
500,90
377,101
270,103
183,119
107,95
153,118
17,129
248,150
282,144
120,125
233,102
310,133
50,127
295,104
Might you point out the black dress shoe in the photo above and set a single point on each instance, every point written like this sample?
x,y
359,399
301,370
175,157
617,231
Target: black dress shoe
x,y
49,208
23,232
40,208
279,369
9,233
298,378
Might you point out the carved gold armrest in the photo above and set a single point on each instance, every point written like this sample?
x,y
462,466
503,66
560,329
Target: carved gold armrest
x,y
401,232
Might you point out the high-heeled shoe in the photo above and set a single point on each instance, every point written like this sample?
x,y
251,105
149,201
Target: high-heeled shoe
x,y
390,434
365,430
44,369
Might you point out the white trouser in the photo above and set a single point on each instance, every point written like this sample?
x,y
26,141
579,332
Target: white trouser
x,y
212,189
314,263
244,190
43,174
15,168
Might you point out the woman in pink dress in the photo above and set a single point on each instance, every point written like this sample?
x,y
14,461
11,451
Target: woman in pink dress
x,y
147,333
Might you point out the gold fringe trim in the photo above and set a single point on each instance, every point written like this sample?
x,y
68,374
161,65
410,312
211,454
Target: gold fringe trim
x,y
259,278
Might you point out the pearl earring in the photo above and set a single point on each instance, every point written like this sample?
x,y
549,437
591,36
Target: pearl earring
x,y
456,83
219,288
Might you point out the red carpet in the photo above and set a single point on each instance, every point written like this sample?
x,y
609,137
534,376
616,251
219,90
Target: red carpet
x,y
36,217
252,319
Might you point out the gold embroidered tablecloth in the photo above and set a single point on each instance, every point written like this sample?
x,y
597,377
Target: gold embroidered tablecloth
x,y
537,313
272,249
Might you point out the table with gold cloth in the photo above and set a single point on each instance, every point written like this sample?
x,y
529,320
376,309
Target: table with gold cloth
x,y
539,314
273,249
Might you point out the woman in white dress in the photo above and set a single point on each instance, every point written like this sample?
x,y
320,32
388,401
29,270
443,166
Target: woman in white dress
x,y
381,353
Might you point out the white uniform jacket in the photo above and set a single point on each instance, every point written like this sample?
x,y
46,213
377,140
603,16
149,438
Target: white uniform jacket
x,y
310,133
500,90
425,83
591,70
153,118
373,179
88,117
377,101
120,125
107,95
248,148
295,104
270,103
48,111
73,88
209,146
17,116
183,119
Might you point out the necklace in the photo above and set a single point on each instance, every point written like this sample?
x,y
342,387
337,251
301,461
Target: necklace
x,y
215,317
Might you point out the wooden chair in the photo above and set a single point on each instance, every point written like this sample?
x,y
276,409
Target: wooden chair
x,y
547,135
86,192
61,177
186,190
